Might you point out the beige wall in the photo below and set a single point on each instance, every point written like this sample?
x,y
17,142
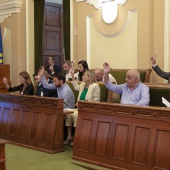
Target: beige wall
x,y
146,27
144,38
18,44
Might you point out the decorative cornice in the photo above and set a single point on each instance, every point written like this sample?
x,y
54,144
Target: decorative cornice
x,y
109,8
8,7
98,3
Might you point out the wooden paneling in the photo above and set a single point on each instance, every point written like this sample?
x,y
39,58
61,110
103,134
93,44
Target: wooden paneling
x,y
123,137
2,154
35,122
53,33
4,72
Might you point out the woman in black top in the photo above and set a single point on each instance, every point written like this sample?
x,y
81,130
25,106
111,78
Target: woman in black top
x,y
82,67
25,87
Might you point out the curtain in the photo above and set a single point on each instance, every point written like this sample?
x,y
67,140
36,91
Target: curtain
x,y
66,28
39,6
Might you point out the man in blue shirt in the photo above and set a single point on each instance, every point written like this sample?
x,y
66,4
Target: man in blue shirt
x,y
63,89
132,92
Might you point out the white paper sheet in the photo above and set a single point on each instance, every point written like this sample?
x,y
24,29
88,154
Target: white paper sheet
x,y
164,101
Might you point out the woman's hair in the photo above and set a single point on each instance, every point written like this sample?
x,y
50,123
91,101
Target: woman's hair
x,y
85,66
26,76
91,75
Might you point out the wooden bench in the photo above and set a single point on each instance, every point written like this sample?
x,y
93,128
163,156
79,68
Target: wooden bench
x,y
31,121
122,136
157,91
106,95
120,75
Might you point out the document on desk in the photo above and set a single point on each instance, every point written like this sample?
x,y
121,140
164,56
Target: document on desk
x,y
164,101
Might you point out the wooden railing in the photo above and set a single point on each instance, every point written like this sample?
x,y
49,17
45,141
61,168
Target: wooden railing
x,y
123,137
34,122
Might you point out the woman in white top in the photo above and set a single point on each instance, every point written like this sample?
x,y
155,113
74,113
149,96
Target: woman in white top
x,y
88,90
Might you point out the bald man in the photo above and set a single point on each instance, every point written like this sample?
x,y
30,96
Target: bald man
x,y
100,74
132,92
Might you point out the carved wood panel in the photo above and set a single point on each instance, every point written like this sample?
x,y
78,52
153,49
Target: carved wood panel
x,y
2,154
123,137
53,33
4,72
31,121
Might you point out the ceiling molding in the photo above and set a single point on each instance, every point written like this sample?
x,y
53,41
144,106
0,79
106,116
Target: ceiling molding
x,y
122,29
109,8
8,7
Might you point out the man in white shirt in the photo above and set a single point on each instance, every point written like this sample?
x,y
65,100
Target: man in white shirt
x,y
100,74
66,67
100,78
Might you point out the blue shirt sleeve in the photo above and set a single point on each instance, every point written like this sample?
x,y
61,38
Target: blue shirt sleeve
x,y
46,85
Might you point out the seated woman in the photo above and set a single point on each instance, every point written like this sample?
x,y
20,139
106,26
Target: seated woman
x,y
88,90
82,67
25,87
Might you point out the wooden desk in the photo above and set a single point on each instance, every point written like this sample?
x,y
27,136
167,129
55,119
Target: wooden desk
x,y
4,72
31,121
2,154
123,137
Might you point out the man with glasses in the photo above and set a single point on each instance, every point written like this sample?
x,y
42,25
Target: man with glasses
x,y
132,92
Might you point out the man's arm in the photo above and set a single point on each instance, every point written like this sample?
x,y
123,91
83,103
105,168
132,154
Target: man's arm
x,y
161,73
157,69
46,85
145,96
106,69
68,97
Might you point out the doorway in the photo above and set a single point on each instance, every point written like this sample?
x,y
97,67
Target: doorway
x,y
53,32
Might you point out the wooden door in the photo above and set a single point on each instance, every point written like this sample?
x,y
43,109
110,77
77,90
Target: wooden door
x,y
53,33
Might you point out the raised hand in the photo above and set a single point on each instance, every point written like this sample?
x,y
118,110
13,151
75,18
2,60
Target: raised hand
x,y
72,70
5,80
106,68
153,59
41,71
51,69
72,64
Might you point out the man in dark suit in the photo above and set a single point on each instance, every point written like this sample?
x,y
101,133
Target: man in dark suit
x,y
52,66
159,72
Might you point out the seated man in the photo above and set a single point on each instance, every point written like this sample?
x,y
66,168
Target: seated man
x,y
132,92
67,65
100,78
158,71
63,89
41,91
52,66
100,74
